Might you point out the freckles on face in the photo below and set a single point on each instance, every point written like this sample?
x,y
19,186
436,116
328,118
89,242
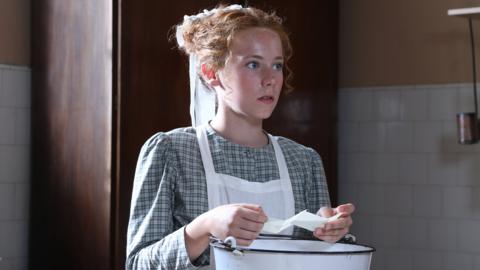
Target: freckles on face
x,y
252,77
255,56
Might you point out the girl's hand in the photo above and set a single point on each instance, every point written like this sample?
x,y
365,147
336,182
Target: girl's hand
x,y
335,230
242,221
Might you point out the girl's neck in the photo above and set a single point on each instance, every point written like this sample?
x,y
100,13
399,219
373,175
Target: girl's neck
x,y
240,131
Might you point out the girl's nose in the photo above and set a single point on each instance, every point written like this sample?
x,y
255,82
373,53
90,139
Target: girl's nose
x,y
268,78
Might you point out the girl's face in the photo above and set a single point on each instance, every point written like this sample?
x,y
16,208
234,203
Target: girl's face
x,y
252,79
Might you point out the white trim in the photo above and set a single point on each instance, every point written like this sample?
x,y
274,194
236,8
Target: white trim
x,y
406,86
246,186
25,68
465,12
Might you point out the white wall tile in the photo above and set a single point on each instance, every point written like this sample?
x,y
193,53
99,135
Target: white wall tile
x,y
442,103
4,163
386,105
379,259
399,137
409,175
355,105
22,126
16,87
7,264
466,98
450,140
468,236
442,169
461,202
427,260
427,201
22,201
370,199
3,98
348,137
20,263
7,125
427,137
399,260
347,193
372,136
413,168
385,168
458,261
362,107
413,233
414,105
385,231
14,164
362,229
442,234
468,173
399,200
344,104
476,262
14,235
7,202
343,168
356,168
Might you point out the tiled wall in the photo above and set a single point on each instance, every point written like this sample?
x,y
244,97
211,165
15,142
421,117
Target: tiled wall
x,y
14,165
416,190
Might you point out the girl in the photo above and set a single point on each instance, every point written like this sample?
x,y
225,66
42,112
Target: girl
x,y
225,176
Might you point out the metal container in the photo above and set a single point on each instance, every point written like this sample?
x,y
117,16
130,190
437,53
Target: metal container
x,y
467,128
290,254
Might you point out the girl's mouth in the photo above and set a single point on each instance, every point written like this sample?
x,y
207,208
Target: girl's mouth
x,y
266,99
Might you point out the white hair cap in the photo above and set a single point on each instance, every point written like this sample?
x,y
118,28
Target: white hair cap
x,y
202,99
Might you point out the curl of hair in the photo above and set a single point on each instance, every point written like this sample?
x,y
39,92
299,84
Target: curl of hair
x,y
210,37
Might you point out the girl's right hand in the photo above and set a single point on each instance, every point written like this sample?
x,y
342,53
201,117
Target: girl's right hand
x,y
242,221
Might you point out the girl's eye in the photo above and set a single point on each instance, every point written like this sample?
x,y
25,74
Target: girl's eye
x,y
252,65
278,66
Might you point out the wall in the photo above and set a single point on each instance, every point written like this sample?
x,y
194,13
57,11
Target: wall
x,y
405,72
15,32
416,190
14,165
14,133
403,42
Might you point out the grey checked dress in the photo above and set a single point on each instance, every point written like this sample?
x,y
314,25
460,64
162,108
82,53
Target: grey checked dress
x,y
170,190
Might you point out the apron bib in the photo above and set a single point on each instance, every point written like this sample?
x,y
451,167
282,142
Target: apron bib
x,y
275,196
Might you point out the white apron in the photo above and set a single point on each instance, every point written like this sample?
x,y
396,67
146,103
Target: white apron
x,y
275,196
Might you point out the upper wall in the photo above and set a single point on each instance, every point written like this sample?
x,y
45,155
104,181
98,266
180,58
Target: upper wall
x,y
380,42
404,42
15,32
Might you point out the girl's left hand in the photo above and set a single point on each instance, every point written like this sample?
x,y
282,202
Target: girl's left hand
x,y
335,230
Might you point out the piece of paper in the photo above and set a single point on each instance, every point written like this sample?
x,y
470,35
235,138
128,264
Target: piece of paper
x,y
303,219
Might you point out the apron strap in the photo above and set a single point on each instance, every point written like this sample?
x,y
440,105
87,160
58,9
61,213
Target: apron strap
x,y
212,191
281,163
284,177
205,150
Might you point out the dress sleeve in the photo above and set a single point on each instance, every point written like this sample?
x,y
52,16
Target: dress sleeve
x,y
152,242
316,189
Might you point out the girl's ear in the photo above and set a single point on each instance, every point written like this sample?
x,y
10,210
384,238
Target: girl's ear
x,y
209,75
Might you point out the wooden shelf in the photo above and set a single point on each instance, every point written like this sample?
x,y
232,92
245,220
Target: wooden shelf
x,y
473,12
